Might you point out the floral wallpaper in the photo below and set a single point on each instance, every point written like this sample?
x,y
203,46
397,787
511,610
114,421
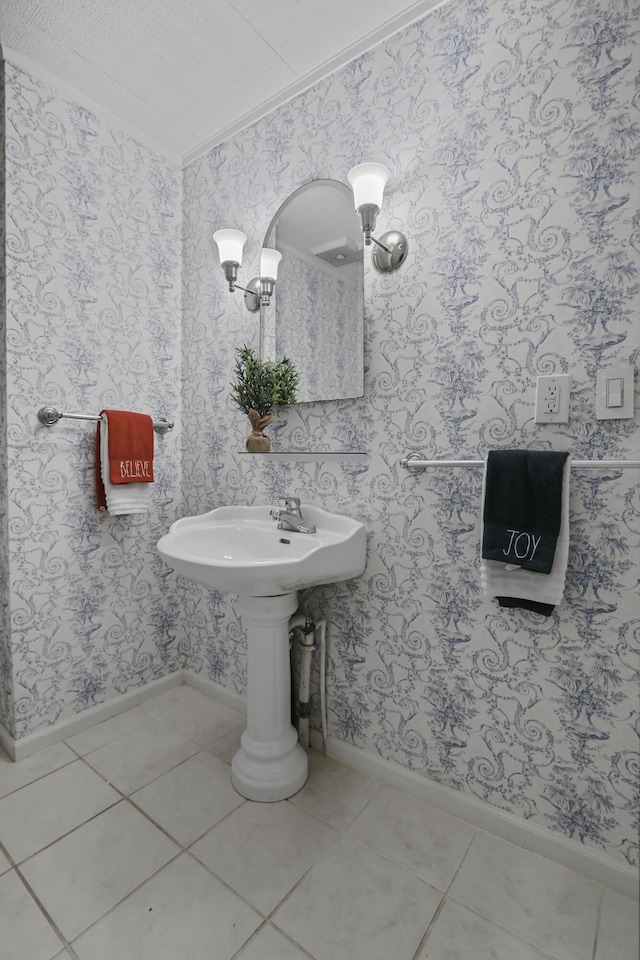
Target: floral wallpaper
x,y
512,134
93,267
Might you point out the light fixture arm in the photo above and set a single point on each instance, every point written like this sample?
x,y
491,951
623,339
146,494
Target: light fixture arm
x,y
259,291
245,289
252,299
369,239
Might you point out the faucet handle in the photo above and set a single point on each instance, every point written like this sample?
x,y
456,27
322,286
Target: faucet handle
x,y
291,503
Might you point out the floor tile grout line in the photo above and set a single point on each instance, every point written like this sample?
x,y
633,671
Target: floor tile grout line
x,y
182,849
68,833
253,936
596,937
178,763
544,950
114,739
66,944
286,936
340,834
120,798
38,778
126,897
12,862
287,895
479,832
430,927
443,901
460,865
184,846
268,916
226,884
299,806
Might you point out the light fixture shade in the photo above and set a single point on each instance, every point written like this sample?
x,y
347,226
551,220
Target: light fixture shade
x,y
367,182
269,260
230,244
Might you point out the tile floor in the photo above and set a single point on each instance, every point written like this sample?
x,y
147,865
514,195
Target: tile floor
x,y
129,842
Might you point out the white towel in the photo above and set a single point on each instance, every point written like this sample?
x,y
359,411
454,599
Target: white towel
x,y
507,580
121,497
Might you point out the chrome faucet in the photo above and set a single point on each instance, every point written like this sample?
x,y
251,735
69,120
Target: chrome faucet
x,y
291,517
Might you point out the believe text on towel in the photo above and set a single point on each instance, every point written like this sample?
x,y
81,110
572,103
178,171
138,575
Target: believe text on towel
x,y
135,469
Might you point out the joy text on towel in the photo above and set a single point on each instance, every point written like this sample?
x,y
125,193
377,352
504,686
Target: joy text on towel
x,y
522,545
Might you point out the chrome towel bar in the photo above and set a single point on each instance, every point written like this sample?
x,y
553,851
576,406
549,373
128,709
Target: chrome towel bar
x,y
49,415
414,463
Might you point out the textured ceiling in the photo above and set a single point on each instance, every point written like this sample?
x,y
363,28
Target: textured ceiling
x,y
186,74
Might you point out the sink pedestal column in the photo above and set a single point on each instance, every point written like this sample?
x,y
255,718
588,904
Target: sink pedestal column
x,y
270,764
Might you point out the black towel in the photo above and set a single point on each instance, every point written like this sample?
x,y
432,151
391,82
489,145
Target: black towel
x,y
522,507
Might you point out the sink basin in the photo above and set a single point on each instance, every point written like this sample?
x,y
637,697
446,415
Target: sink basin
x,y
240,550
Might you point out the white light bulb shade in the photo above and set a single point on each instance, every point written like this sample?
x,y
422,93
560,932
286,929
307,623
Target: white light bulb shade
x,y
367,182
269,260
230,244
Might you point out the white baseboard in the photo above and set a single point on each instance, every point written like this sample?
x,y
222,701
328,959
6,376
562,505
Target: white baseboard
x,y
47,736
213,689
33,742
584,860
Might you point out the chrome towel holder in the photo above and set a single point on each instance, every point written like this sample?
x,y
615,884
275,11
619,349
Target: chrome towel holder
x,y
415,463
48,416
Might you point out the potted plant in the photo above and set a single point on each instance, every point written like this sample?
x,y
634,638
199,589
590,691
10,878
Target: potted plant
x,y
259,386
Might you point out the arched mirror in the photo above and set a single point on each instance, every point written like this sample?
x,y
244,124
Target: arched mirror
x,y
316,314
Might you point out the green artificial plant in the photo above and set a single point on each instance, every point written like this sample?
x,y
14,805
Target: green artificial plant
x,y
261,385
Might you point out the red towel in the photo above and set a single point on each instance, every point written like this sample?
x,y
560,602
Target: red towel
x,y
130,450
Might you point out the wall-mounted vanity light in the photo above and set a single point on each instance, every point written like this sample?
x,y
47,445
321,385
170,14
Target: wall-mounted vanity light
x,y
367,182
260,289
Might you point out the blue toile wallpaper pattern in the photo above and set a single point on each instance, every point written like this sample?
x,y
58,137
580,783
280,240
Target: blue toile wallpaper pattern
x,y
511,128
93,264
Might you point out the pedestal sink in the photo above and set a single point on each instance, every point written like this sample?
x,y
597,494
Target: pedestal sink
x,y
241,550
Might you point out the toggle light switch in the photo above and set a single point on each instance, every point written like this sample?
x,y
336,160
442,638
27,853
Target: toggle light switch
x,y
614,393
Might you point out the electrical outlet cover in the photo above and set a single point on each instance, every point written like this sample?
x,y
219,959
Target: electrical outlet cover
x,y
544,390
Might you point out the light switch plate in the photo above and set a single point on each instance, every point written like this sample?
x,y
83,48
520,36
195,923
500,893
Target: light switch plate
x,y
552,399
614,393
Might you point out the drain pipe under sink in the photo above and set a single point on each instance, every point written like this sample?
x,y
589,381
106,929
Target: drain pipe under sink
x,y
307,646
307,632
302,627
